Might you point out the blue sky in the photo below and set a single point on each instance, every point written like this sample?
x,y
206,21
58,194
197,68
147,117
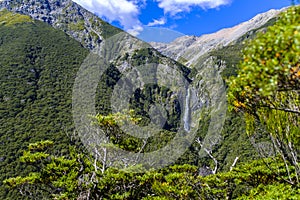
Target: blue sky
x,y
166,19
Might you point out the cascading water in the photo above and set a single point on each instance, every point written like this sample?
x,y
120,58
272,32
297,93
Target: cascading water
x,y
186,117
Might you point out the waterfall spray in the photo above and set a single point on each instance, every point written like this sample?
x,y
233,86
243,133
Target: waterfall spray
x,y
186,117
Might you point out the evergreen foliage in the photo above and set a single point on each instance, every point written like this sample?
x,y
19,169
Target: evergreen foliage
x,y
267,87
38,66
76,177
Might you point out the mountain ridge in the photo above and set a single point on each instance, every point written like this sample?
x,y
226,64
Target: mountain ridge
x,y
205,89
186,45
67,16
208,68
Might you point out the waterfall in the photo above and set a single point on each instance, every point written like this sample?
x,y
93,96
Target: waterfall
x,y
186,117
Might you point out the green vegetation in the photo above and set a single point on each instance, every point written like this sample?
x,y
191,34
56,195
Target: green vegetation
x,y
79,176
108,30
38,67
9,19
267,88
77,26
113,135
232,54
52,174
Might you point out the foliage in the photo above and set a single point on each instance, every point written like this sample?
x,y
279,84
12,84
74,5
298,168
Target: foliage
x,y
243,179
38,66
9,19
110,125
109,30
231,55
58,177
78,26
272,60
270,192
74,176
267,86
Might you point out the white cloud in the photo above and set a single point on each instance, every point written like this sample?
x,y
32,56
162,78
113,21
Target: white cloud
x,y
135,30
176,6
126,12
155,22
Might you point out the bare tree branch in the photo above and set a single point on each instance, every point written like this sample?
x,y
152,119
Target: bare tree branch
x,y
214,171
234,163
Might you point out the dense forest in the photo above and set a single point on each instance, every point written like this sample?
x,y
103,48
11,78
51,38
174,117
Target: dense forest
x,y
42,156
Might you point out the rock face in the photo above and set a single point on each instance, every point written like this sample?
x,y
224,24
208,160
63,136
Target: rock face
x,y
207,88
65,15
190,48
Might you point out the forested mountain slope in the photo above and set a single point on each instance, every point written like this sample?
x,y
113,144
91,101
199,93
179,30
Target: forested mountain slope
x,y
42,52
38,66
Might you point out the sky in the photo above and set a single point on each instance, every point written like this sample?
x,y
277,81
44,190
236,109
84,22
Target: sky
x,y
164,20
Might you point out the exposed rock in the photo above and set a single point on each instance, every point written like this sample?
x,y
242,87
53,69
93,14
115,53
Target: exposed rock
x,y
65,15
204,171
128,55
207,87
191,48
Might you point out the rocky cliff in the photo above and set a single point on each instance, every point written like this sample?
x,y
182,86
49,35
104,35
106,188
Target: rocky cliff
x,y
67,16
212,58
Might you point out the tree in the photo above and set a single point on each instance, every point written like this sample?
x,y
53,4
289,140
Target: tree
x,y
267,87
112,137
56,177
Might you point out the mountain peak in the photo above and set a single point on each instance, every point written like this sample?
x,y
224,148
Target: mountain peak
x,y
65,15
187,46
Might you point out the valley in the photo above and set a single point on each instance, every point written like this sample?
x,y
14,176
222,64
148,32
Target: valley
x,y
109,116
